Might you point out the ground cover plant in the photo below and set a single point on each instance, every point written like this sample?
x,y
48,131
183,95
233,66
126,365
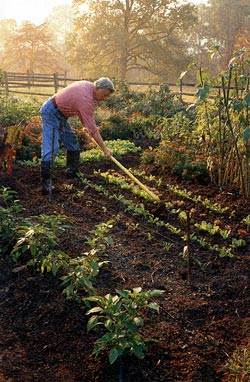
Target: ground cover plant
x,y
74,265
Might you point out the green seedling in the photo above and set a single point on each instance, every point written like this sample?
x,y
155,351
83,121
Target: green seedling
x,y
10,218
238,243
81,272
167,246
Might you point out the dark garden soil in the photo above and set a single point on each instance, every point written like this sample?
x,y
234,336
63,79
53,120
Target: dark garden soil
x,y
199,325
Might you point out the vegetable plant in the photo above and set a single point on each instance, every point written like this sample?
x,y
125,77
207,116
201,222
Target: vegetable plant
x,y
120,315
10,218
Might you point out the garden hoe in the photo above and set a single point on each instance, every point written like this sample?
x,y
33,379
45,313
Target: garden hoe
x,y
153,196
141,185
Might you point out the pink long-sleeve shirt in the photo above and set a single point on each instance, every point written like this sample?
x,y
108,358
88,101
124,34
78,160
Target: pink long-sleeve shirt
x,y
78,99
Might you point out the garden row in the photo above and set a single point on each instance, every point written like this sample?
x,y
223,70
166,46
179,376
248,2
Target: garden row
x,y
32,242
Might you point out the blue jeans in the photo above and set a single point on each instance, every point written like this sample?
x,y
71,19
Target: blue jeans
x,y
55,127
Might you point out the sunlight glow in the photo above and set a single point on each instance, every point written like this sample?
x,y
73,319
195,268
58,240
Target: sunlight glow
x,y
37,11
29,10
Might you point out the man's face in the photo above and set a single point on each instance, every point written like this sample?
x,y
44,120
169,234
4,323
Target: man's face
x,y
101,94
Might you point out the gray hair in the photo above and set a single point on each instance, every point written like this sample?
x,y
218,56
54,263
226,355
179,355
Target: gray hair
x,y
105,83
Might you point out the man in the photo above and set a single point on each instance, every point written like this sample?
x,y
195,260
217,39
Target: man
x,y
76,99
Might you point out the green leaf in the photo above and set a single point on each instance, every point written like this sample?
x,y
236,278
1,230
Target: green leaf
x,y
113,355
154,305
203,93
98,299
156,292
96,309
138,321
246,134
238,105
137,290
92,322
123,293
108,338
138,351
108,323
55,269
247,99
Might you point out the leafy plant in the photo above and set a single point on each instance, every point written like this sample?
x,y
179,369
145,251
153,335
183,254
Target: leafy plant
x,y
99,239
10,220
246,220
121,182
224,123
14,110
118,147
119,314
212,229
81,272
38,237
238,243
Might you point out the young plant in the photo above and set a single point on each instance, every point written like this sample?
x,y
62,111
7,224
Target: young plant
x,y
81,272
238,243
10,209
119,314
212,229
38,238
246,220
99,239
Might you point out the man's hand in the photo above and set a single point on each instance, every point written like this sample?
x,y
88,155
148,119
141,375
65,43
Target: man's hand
x,y
107,152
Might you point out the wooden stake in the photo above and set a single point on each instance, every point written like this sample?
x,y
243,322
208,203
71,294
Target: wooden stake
x,y
188,249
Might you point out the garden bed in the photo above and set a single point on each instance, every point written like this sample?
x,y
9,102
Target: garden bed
x,y
200,323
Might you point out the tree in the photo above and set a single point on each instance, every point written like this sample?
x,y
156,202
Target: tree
x,y
30,48
60,23
121,37
7,28
226,19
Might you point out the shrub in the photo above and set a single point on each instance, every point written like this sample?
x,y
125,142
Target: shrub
x,y
14,110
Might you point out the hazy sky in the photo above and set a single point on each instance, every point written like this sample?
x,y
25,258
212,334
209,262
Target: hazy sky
x,y
34,10
31,10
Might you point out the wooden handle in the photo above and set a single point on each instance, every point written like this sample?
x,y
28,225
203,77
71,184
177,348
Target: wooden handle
x,y
150,193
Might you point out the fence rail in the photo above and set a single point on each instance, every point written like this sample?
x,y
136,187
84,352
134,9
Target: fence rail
x,y
47,84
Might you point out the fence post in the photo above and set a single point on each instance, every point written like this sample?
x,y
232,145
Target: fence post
x,y
28,78
6,85
181,89
56,85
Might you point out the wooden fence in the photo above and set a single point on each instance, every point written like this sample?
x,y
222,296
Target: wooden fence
x,y
48,84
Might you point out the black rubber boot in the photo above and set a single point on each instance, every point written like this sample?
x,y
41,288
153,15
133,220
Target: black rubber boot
x,y
73,160
46,180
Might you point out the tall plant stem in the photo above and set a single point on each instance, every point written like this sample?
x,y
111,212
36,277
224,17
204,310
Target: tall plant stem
x,y
226,93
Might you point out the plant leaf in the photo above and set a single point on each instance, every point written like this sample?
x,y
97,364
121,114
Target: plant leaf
x,y
92,322
113,355
246,134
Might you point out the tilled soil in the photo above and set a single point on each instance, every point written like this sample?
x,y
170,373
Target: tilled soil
x,y
200,323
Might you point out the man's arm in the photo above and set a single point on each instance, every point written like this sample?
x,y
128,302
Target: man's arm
x,y
97,137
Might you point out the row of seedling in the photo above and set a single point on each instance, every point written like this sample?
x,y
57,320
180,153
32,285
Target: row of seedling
x,y
185,194
208,204
34,241
141,211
